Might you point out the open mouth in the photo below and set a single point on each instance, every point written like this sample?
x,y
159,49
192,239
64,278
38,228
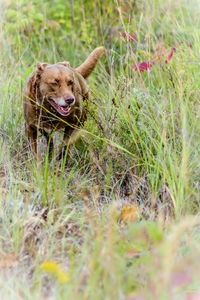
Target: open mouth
x,y
62,109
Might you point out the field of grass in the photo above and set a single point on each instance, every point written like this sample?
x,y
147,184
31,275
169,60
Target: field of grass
x,y
121,221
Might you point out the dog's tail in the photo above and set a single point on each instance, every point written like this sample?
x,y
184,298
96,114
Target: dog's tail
x,y
90,63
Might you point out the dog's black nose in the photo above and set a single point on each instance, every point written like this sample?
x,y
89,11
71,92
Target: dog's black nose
x,y
69,99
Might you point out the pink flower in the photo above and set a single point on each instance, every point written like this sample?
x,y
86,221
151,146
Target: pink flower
x,y
125,8
193,296
180,278
130,35
173,49
133,37
145,65
142,66
171,53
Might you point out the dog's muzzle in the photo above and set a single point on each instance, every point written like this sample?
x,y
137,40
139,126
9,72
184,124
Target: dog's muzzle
x,y
65,109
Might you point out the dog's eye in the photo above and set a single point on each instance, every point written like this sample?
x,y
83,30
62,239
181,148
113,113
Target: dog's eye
x,y
54,83
70,82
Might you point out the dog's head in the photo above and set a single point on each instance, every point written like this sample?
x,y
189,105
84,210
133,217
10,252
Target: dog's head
x,y
62,86
59,85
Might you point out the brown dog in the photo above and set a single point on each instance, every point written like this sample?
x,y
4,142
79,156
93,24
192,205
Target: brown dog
x,y
53,97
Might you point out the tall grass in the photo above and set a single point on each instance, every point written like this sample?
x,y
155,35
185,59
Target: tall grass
x,y
139,146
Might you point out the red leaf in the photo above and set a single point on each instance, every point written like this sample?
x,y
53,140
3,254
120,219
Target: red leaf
x,y
130,35
133,37
124,8
173,49
145,65
171,53
142,66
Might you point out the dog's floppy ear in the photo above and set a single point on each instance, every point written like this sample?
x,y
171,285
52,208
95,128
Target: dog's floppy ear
x,y
34,79
64,63
90,63
32,82
41,66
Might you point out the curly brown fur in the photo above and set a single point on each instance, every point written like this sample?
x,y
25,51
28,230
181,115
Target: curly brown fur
x,y
53,99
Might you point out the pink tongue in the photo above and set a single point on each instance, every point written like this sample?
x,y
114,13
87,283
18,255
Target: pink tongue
x,y
63,108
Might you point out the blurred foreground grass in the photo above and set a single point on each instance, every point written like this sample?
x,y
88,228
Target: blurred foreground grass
x,y
140,148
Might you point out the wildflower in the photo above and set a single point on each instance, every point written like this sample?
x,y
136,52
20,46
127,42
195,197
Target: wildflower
x,y
125,8
129,213
55,269
171,53
126,34
145,65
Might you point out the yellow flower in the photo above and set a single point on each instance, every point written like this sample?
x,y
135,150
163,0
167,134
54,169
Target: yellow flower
x,y
55,269
129,213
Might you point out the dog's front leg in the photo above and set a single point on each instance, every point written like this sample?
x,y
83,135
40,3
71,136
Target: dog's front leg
x,y
67,139
31,134
50,144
